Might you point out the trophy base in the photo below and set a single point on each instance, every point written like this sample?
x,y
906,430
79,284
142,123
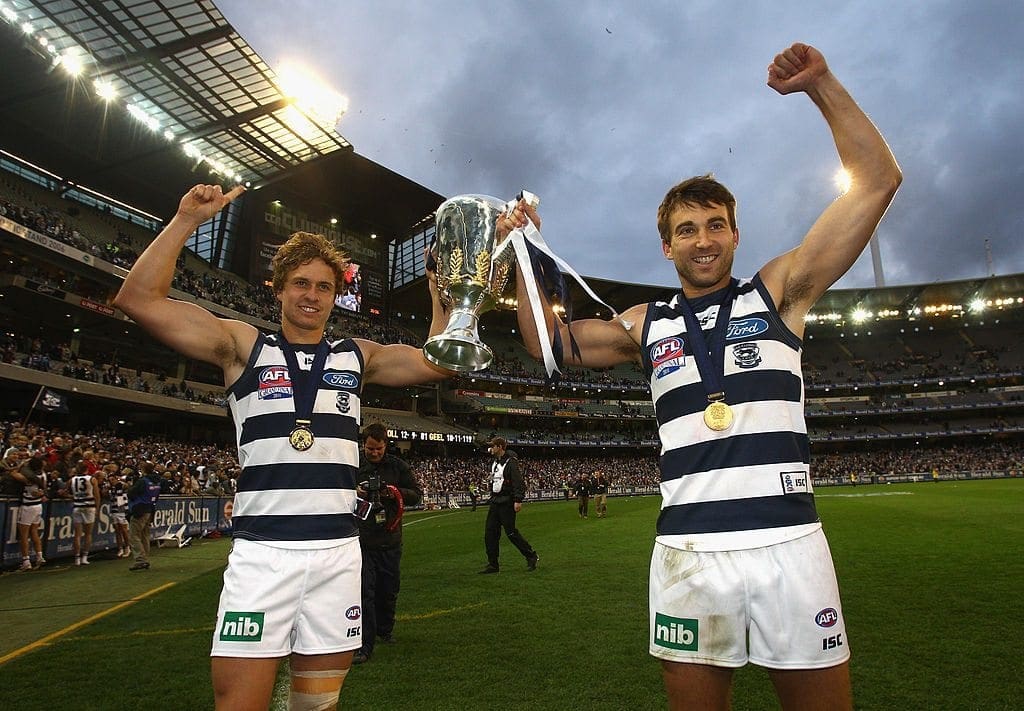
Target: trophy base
x,y
458,353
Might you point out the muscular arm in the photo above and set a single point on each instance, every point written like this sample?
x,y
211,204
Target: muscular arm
x,y
602,344
397,364
798,278
187,328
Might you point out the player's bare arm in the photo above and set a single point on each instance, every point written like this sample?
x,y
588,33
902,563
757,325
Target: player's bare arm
x,y
397,364
186,327
798,278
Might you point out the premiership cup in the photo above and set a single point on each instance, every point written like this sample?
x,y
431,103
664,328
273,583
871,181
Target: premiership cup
x,y
470,280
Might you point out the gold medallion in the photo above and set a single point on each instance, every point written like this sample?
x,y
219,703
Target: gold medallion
x,y
718,416
301,438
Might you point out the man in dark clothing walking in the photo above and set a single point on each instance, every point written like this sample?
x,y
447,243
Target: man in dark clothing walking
x,y
507,493
388,485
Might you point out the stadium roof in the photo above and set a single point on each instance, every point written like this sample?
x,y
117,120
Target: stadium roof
x,y
189,101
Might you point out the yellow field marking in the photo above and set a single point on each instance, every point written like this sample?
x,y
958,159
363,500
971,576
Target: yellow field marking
x,y
81,623
438,613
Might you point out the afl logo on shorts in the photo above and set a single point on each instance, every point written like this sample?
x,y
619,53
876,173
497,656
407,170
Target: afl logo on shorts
x,y
275,383
353,612
827,617
667,356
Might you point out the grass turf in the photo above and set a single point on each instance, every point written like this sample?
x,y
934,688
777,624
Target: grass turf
x,y
930,576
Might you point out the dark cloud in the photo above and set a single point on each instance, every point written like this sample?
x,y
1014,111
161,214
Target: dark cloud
x,y
600,107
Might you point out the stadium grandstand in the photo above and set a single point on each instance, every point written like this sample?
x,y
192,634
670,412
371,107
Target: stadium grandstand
x,y
110,114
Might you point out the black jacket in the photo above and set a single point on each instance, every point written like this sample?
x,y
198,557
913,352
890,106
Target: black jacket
x,y
513,489
396,472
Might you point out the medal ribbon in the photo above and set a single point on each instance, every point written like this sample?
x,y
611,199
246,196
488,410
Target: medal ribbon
x,y
305,397
710,355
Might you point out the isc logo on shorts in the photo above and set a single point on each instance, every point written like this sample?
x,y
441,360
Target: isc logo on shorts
x,y
242,627
675,632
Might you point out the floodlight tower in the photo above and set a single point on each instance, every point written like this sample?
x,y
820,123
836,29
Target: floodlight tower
x,y
876,261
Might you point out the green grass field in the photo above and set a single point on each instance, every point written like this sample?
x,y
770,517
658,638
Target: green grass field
x,y
931,576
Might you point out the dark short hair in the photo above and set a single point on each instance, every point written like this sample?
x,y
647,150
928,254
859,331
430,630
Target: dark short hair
x,y
700,190
375,431
499,441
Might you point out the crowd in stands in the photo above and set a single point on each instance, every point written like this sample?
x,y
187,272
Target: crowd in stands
x,y
197,469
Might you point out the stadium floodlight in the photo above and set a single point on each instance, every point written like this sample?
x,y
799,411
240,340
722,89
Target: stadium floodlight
x,y
373,235
310,95
168,134
843,180
26,27
105,90
977,305
859,315
71,62
334,220
9,14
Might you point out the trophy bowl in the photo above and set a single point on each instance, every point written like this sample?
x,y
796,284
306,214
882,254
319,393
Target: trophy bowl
x,y
469,279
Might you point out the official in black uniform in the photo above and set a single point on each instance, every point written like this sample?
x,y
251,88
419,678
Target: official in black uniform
x,y
507,492
388,483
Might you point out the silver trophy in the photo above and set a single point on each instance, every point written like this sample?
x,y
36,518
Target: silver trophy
x,y
470,280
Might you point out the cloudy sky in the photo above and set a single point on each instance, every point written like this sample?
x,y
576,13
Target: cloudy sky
x,y
599,107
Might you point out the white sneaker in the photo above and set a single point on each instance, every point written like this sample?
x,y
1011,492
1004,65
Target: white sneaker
x,y
78,561
25,564
40,562
85,560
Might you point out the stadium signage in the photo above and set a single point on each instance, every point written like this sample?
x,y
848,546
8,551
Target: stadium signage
x,y
416,436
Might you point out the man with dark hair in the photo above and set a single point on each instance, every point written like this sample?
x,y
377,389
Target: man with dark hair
x,y
30,513
85,491
507,493
142,498
741,571
583,490
387,485
294,397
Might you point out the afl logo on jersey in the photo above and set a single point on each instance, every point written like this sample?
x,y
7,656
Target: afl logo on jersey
x,y
667,356
274,383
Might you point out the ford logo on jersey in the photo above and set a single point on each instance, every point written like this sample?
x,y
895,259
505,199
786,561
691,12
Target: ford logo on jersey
x,y
827,617
274,383
667,356
341,380
745,328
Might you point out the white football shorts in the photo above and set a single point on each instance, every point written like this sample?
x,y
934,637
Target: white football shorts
x,y
783,598
276,601
83,514
30,515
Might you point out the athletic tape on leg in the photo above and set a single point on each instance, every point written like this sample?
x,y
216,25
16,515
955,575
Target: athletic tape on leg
x,y
315,690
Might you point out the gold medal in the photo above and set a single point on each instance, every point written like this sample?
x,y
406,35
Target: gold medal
x,y
301,438
718,416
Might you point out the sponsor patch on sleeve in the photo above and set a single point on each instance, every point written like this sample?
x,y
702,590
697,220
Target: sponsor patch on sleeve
x,y
795,482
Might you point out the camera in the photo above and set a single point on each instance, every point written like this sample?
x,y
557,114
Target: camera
x,y
372,484
371,506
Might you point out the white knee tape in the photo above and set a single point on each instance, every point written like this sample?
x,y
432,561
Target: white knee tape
x,y
315,690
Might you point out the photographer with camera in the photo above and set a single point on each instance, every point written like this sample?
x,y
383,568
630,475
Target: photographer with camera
x,y
386,487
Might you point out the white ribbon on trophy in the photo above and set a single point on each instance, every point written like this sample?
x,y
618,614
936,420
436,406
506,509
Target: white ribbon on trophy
x,y
518,240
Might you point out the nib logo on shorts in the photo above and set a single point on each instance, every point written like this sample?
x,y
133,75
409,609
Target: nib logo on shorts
x,y
675,632
242,627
